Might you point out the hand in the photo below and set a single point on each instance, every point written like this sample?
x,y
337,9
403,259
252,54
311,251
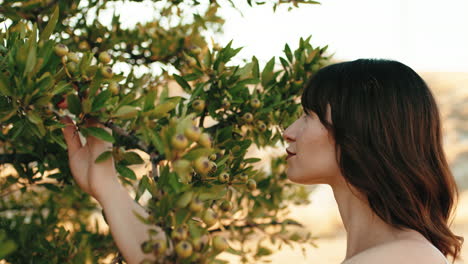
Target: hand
x,y
94,179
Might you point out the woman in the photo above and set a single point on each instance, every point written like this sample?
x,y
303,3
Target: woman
x,y
371,130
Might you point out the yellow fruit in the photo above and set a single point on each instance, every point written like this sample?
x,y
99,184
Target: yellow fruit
x,y
213,156
73,57
192,62
114,88
106,72
71,67
225,104
202,165
248,117
209,217
196,205
184,200
83,45
159,247
261,126
244,178
205,140
179,142
197,243
181,166
223,177
214,167
220,243
298,83
251,184
146,261
173,121
236,148
226,206
197,50
180,233
192,132
61,49
104,57
198,105
255,103
184,249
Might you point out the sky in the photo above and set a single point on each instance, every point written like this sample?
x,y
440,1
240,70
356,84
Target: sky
x,y
427,35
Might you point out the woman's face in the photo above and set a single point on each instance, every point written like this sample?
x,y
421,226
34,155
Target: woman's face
x,y
314,161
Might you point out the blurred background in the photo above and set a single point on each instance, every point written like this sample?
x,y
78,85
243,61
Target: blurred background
x,y
428,36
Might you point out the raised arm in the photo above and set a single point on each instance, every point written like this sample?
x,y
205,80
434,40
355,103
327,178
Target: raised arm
x,y
100,181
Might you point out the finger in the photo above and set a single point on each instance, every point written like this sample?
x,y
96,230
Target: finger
x,y
71,136
92,122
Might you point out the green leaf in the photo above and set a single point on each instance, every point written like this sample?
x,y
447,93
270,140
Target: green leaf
x,y
50,187
99,133
181,214
284,63
143,185
133,158
126,172
267,74
141,218
211,193
255,68
74,104
225,133
45,35
252,160
32,50
7,247
103,157
155,140
288,53
61,87
100,100
85,66
149,100
195,153
263,251
174,182
162,109
245,71
183,83
126,111
5,86
34,117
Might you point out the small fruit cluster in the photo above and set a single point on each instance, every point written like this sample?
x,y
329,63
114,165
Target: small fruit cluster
x,y
62,51
186,246
181,134
72,66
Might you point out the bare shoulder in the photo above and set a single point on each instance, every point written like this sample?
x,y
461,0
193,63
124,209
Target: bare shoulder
x,y
401,252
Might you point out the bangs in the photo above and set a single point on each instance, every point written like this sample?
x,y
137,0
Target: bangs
x,y
323,88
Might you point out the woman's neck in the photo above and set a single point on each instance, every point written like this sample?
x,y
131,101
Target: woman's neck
x,y
363,227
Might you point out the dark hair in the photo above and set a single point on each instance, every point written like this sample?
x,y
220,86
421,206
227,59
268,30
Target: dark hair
x,y
387,130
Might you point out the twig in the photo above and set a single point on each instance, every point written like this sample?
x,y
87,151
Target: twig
x,y
252,225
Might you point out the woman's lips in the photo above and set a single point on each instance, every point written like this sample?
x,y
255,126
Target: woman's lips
x,y
289,155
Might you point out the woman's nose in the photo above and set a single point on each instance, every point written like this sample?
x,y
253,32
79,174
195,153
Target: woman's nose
x,y
287,135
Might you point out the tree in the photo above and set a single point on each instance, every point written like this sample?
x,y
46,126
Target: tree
x,y
54,62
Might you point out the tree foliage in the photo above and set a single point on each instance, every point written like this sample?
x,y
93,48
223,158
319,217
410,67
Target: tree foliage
x,y
58,58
